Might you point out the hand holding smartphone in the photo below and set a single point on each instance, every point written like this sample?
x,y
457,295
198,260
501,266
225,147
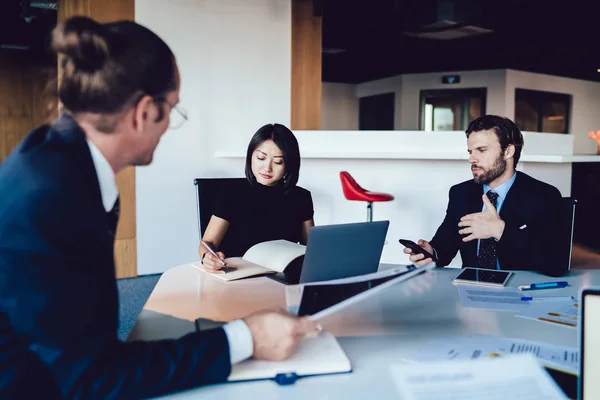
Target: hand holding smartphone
x,y
416,249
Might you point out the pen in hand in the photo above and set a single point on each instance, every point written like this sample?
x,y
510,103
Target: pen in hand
x,y
226,268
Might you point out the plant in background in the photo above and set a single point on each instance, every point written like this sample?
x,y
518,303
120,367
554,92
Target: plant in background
x,y
596,138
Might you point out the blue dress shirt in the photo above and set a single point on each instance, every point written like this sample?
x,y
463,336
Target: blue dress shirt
x,y
502,191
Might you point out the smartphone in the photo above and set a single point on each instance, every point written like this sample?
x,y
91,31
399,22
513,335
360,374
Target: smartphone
x,y
417,249
490,277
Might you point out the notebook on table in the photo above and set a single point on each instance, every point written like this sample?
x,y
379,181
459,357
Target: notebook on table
x,y
263,258
317,355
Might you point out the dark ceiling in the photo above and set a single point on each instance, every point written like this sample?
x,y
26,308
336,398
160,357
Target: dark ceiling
x,y
364,40
25,26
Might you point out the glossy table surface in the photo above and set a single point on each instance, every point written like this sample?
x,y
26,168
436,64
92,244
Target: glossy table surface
x,y
374,333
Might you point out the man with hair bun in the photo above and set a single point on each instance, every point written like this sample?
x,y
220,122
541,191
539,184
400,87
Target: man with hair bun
x,y
119,90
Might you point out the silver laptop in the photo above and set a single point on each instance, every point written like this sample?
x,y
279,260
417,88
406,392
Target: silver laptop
x,y
338,251
589,341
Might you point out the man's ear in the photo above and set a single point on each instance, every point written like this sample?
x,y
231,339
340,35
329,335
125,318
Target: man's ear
x,y
141,113
509,152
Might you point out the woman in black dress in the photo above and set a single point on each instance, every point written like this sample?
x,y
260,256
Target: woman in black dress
x,y
270,207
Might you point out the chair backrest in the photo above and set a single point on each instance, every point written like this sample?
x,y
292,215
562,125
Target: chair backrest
x,y
349,186
207,194
565,238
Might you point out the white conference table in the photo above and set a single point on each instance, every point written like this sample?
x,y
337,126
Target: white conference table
x,y
375,333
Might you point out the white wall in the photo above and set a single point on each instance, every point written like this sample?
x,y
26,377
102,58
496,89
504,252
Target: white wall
x,y
407,88
501,85
584,107
235,63
412,84
381,86
339,109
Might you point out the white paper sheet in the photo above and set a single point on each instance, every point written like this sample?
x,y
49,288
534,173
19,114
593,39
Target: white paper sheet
x,y
560,312
294,293
473,347
513,377
504,299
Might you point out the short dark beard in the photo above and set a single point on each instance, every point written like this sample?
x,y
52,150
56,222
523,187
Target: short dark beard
x,y
494,172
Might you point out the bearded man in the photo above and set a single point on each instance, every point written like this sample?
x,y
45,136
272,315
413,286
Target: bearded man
x,y
503,218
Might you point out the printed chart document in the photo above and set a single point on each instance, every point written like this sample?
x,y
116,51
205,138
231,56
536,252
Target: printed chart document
x,y
320,299
262,258
512,377
315,356
497,299
560,312
472,347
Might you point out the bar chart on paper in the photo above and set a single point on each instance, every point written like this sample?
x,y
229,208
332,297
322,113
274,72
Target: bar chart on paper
x,y
561,312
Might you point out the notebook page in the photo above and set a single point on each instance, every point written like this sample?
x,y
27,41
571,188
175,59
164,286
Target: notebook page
x,y
319,355
244,269
275,254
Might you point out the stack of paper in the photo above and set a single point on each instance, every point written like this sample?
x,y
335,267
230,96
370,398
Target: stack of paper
x,y
513,377
473,347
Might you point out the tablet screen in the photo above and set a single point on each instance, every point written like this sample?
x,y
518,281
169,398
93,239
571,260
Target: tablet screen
x,y
483,276
590,346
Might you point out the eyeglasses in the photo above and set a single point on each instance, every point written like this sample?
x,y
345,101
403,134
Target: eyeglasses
x,y
179,117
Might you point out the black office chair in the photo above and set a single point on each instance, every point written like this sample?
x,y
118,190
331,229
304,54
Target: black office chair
x,y
207,193
564,242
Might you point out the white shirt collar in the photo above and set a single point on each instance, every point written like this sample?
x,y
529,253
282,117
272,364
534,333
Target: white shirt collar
x,y
106,177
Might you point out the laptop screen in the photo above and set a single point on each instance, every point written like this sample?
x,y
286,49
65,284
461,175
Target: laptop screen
x,y
590,345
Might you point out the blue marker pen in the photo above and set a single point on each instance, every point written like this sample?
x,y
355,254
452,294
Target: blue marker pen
x,y
546,285
537,299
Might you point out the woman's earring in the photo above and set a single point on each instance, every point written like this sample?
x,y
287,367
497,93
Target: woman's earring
x,y
285,177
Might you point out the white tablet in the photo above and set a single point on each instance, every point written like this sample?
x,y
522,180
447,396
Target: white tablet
x,y
478,276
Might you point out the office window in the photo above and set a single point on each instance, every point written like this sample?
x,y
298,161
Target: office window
x,y
376,113
451,109
538,111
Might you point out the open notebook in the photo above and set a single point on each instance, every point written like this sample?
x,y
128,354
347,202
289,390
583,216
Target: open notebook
x,y
315,356
262,258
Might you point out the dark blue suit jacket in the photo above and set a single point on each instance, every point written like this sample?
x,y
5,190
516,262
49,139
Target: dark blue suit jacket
x,y
58,296
530,203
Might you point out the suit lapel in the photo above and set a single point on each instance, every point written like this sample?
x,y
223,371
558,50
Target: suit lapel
x,y
511,202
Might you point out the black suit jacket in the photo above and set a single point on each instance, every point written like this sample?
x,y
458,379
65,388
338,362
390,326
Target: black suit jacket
x,y
58,295
530,203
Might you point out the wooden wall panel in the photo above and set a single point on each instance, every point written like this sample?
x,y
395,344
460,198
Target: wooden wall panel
x,y
125,243
44,95
17,93
126,258
100,10
126,185
306,66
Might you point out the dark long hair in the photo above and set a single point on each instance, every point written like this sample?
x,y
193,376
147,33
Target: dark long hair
x,y
105,68
287,143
